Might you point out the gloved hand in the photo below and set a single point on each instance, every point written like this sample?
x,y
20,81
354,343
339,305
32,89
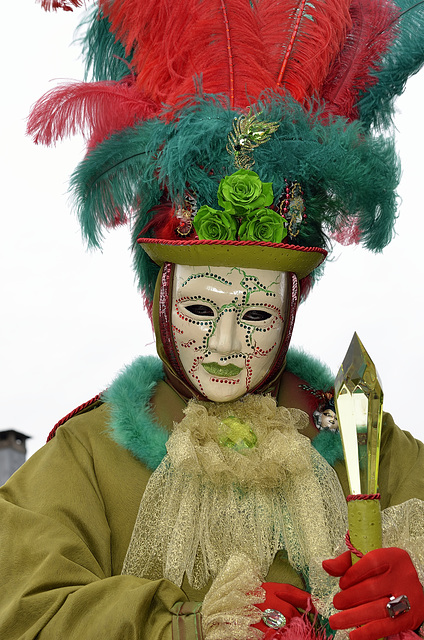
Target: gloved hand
x,y
286,599
366,588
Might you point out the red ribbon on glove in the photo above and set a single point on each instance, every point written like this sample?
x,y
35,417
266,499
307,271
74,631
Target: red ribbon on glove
x,y
366,588
286,599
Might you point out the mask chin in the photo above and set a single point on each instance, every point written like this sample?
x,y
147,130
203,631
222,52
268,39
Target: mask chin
x,y
214,369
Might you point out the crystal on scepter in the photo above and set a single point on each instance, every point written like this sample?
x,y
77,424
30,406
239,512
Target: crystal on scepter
x,y
358,397
359,400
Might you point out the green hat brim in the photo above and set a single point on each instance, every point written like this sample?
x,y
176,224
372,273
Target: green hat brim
x,y
225,253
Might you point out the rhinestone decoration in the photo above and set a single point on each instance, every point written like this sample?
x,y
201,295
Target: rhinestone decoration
x,y
274,619
292,208
397,606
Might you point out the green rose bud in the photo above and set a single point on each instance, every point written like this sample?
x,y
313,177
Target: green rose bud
x,y
244,191
263,225
211,224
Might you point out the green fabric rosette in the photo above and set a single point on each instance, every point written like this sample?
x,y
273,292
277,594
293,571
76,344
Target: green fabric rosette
x,y
243,191
245,216
262,225
211,224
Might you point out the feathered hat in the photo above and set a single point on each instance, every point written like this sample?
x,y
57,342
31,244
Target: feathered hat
x,y
237,132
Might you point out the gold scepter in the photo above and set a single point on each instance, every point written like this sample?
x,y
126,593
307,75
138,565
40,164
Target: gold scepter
x,y
358,398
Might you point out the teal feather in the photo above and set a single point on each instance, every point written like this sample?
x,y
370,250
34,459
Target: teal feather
x,y
133,425
404,58
104,55
313,371
124,176
329,445
343,178
113,180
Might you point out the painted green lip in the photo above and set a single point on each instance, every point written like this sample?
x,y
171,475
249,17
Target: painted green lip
x,y
227,371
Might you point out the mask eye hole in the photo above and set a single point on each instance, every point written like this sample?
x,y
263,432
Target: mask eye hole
x,y
256,315
200,310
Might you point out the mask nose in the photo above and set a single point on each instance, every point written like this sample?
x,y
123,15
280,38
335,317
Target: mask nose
x,y
226,339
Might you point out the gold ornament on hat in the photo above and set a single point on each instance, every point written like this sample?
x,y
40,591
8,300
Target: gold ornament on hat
x,y
247,134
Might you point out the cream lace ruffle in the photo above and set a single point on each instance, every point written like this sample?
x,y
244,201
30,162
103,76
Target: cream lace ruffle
x,y
206,502
403,527
228,608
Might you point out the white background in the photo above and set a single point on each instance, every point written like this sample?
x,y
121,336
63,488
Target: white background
x,y
70,319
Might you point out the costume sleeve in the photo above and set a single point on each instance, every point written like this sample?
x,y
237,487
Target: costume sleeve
x,y
55,560
402,492
401,465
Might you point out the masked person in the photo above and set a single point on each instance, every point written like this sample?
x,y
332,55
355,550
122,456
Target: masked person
x,y
196,498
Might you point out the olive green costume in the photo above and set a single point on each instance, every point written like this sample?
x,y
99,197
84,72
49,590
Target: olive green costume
x,y
67,517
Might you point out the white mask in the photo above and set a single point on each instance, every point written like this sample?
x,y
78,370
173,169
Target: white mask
x,y
227,326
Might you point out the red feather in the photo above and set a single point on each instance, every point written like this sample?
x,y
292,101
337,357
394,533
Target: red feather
x,y
163,221
217,40
348,234
66,5
233,60
303,39
237,47
96,109
373,26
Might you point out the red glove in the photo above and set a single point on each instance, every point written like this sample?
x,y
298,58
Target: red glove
x,y
366,588
286,599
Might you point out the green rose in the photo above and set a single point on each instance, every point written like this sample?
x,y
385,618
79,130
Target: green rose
x,y
244,191
263,225
214,225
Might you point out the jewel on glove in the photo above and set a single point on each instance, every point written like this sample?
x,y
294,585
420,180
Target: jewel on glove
x,y
274,619
282,603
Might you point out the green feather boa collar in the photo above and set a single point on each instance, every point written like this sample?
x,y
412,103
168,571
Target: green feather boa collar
x,y
134,427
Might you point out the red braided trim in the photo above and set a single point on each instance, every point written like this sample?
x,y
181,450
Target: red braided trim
x,y
363,496
245,243
350,546
73,413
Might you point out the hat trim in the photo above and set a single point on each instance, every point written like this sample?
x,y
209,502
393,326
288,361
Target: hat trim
x,y
250,254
